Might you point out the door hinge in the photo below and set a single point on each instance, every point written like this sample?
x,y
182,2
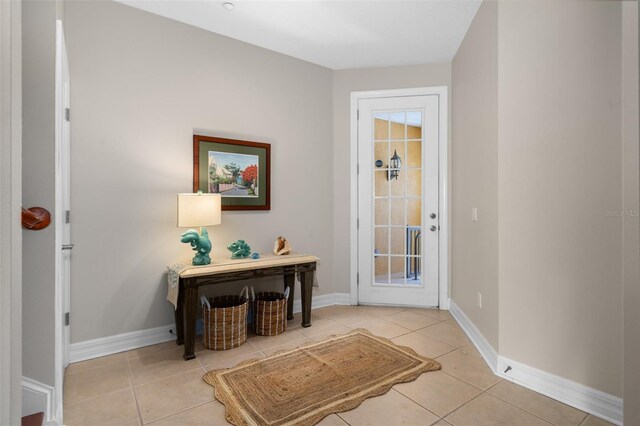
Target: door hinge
x,y
67,114
66,318
67,216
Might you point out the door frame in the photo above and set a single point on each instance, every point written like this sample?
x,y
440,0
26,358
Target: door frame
x,y
11,201
443,184
61,350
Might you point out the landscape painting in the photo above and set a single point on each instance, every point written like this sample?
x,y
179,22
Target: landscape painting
x,y
238,170
233,175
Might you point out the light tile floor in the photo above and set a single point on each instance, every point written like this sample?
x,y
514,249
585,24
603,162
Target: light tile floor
x,y
154,385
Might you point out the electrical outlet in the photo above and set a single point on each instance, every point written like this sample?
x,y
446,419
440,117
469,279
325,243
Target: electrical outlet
x,y
480,300
474,214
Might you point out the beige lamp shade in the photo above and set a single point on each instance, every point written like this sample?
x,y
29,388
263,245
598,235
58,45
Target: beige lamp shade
x,y
199,210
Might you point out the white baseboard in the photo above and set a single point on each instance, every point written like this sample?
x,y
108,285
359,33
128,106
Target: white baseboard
x,y
119,343
590,400
38,397
137,339
587,399
323,300
484,347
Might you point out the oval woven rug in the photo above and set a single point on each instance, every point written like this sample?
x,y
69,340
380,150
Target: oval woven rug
x,y
303,385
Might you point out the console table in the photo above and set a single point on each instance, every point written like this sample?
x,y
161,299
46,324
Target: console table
x,y
193,277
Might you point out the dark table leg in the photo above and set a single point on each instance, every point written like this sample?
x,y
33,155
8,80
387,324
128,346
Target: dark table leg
x,y
190,307
289,281
180,315
306,287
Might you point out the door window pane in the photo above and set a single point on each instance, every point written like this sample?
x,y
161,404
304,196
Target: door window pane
x,y
397,270
381,211
397,245
381,153
381,244
414,212
414,154
414,184
398,214
381,184
381,269
398,184
381,126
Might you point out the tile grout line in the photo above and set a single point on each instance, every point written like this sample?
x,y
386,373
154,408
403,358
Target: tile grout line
x,y
149,354
460,407
416,402
133,390
469,383
506,402
202,368
340,417
179,412
440,340
96,367
405,396
523,409
166,377
90,399
584,420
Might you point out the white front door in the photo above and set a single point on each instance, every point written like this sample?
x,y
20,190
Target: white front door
x,y
398,196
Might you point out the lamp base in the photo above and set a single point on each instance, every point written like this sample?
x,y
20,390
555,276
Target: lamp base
x,y
200,243
199,260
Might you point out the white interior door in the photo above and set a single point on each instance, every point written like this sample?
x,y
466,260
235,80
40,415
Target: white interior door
x,y
66,204
62,217
398,196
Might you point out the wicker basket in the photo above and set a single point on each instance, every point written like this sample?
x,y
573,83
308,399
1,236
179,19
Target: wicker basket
x,y
225,321
270,312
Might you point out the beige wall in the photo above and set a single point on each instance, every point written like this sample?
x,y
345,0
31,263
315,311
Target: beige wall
x,y
631,249
474,245
345,82
560,151
537,148
38,88
141,84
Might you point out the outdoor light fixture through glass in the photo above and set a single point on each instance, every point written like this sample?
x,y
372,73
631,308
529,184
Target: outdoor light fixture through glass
x,y
199,210
394,165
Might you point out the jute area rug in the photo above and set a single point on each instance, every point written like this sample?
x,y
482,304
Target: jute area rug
x,y
302,386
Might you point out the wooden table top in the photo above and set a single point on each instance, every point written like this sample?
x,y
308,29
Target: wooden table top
x,y
219,266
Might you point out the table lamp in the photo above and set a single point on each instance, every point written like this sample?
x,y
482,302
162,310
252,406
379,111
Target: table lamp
x,y
199,210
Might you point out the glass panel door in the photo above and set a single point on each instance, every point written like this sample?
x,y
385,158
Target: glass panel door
x,y
397,166
398,201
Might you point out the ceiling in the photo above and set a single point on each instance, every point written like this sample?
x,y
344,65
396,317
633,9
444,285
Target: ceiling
x,y
334,34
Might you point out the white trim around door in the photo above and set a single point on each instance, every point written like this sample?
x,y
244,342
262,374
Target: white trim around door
x,y
443,141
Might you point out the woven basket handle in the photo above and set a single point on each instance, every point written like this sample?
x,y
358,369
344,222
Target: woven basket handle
x,y
286,293
253,294
205,302
245,290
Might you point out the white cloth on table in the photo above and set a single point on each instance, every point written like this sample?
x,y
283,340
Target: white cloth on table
x,y
173,279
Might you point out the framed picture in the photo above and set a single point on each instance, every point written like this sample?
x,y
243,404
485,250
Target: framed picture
x,y
240,171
